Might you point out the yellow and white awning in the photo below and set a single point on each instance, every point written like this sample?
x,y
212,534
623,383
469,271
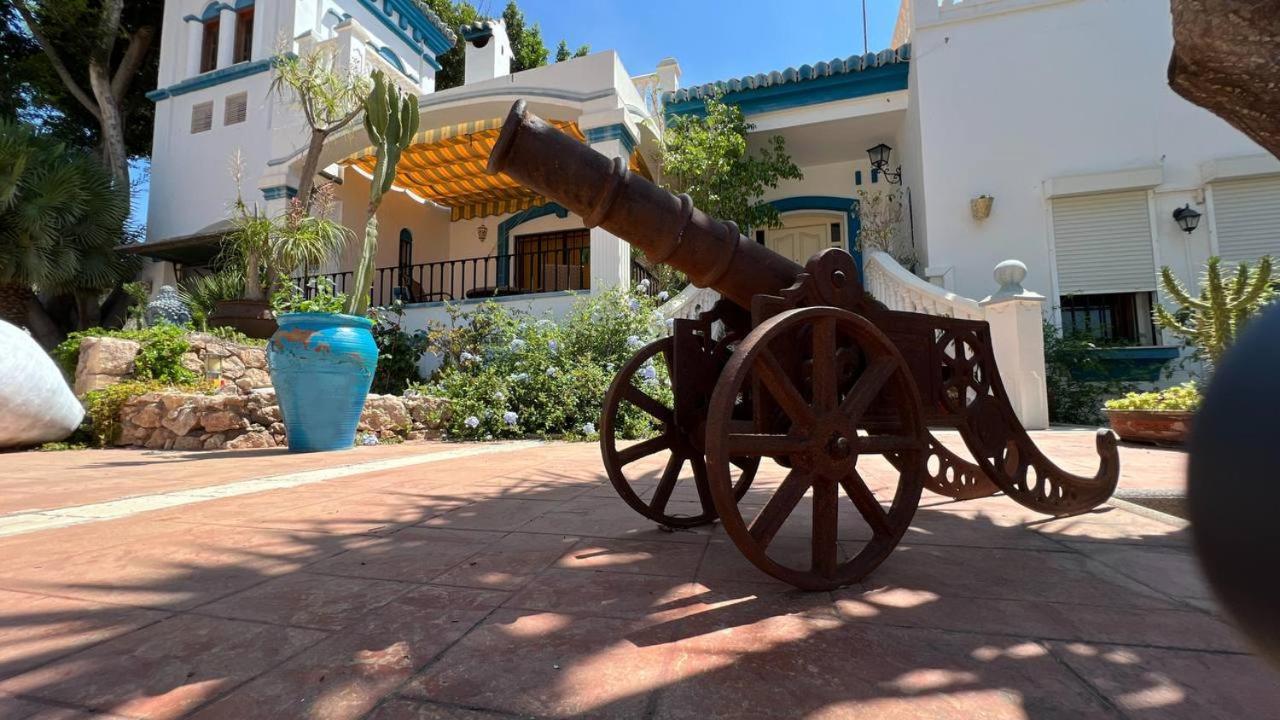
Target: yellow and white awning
x,y
447,166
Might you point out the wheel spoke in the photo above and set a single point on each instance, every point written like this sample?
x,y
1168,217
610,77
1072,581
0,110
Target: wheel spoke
x,y
826,513
867,387
655,409
866,503
767,524
662,493
745,445
782,389
700,482
824,365
643,449
883,444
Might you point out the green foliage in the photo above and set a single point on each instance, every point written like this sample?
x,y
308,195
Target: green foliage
x,y
563,53
1071,400
290,298
707,157
326,93
202,293
398,352
139,294
159,358
1211,322
102,407
528,51
60,216
551,377
233,335
390,120
1184,398
32,91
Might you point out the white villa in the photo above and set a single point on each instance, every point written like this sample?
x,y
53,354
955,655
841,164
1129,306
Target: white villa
x,y
1058,110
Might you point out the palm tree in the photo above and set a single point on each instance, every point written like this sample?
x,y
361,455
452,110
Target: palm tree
x,y
61,219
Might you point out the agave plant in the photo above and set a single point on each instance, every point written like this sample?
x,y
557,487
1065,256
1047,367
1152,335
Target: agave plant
x,y
61,219
1212,321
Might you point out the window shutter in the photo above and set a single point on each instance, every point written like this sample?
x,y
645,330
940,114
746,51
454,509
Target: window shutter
x,y
201,117
1245,214
235,109
1103,244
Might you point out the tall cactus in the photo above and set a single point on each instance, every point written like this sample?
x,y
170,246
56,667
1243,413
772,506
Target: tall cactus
x,y
391,121
1212,321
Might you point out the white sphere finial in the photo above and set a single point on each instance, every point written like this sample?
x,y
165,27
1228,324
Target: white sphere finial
x,y
1010,274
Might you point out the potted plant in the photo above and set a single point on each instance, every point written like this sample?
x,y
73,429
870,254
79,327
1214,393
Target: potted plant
x,y
323,355
1162,417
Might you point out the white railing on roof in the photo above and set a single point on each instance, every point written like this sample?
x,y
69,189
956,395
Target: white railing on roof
x,y
689,303
900,289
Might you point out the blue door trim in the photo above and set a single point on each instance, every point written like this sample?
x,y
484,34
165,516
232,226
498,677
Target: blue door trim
x,y
520,218
846,205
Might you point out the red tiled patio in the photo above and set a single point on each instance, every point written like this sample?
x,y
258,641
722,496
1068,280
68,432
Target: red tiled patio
x,y
474,582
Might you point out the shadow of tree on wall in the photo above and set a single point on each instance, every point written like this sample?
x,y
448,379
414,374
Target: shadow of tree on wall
x,y
469,587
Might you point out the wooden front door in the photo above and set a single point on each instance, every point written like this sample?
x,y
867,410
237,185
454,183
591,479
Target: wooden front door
x,y
798,243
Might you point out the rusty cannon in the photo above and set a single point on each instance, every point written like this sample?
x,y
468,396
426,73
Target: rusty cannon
x,y
801,366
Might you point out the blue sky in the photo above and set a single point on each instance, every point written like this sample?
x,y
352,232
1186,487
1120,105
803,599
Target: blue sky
x,y
712,40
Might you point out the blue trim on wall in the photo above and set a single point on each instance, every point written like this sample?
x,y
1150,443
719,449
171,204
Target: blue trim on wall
x,y
506,226
277,192
846,205
873,81
413,26
617,131
212,78
392,58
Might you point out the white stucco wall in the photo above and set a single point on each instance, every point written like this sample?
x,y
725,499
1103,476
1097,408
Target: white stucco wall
x,y
1009,100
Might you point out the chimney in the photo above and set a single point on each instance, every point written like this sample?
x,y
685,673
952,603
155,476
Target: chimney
x,y
488,53
669,75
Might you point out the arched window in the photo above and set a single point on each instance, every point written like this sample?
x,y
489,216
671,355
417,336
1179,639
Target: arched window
x,y
209,38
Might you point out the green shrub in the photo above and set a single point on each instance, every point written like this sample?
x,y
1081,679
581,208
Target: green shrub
x,y
1066,358
398,352
102,407
233,335
160,356
508,374
290,298
1184,397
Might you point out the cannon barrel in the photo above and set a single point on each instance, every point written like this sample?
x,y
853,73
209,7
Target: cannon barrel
x,y
669,229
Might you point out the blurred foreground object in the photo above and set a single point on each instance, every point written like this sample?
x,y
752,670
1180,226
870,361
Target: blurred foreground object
x,y
1233,491
36,406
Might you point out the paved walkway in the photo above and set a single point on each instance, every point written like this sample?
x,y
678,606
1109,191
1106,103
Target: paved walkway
x,y
511,582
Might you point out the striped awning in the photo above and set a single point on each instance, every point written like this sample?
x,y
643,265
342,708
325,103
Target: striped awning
x,y
447,166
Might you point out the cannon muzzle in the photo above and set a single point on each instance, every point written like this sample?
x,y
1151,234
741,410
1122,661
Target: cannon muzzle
x,y
669,229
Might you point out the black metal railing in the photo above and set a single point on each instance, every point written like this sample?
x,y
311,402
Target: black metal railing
x,y
518,273
639,274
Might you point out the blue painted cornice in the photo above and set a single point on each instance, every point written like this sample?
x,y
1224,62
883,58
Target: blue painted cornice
x,y
856,76
212,78
415,24
618,131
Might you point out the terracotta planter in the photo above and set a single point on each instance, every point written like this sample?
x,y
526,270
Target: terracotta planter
x,y
251,317
1164,427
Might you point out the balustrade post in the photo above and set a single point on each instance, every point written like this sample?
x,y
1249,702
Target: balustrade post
x,y
1015,315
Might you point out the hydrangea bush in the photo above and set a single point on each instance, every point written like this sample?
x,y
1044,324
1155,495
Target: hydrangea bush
x,y
507,373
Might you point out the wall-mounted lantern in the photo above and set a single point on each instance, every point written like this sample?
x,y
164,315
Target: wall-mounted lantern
x,y
879,156
482,232
1187,218
980,207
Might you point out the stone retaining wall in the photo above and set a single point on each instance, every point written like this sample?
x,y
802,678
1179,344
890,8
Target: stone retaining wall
x,y
186,421
105,361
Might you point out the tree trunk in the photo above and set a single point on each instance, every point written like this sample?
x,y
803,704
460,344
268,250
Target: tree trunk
x,y
1225,59
88,311
310,166
13,304
112,128
41,324
252,277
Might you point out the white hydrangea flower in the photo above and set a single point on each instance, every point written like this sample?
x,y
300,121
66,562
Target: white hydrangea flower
x,y
518,345
648,372
634,342
663,296
589,429
509,417
634,304
472,422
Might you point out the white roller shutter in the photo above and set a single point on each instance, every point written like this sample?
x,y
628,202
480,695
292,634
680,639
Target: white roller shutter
x,y
1245,214
1103,244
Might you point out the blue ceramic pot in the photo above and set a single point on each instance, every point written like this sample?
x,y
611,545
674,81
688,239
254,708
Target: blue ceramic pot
x,y
322,366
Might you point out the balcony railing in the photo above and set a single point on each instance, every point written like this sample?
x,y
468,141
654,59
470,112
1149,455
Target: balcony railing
x,y
520,273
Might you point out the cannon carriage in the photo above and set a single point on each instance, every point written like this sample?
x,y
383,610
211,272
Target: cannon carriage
x,y
801,366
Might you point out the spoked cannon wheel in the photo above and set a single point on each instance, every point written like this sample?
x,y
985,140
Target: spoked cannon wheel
x,y
830,388
674,447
